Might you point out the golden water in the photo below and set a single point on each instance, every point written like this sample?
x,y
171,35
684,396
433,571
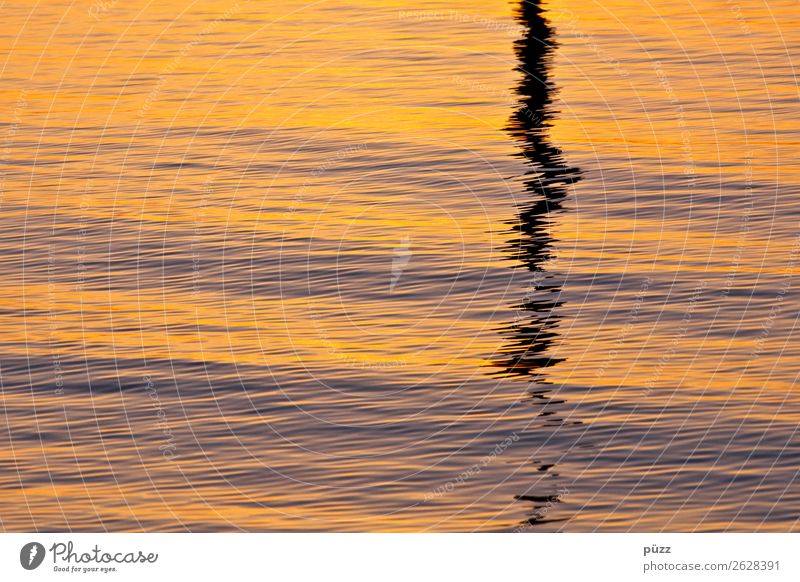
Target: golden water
x,y
365,266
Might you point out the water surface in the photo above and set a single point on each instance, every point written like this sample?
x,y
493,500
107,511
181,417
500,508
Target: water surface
x,y
473,266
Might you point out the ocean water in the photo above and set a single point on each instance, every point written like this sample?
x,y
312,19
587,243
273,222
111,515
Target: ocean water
x,y
353,266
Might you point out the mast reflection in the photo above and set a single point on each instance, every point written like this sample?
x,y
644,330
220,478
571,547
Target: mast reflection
x,y
527,352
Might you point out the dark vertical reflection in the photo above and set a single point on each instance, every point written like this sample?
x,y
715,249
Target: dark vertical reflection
x,y
527,351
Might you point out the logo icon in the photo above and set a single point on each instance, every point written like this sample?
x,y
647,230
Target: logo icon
x,y
402,254
31,555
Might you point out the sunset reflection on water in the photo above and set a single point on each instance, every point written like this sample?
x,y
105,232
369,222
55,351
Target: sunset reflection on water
x,y
351,266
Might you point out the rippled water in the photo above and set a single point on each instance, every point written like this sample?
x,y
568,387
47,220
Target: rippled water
x,y
357,266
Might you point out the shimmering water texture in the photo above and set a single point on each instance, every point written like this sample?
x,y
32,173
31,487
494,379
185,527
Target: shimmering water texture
x,y
352,266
